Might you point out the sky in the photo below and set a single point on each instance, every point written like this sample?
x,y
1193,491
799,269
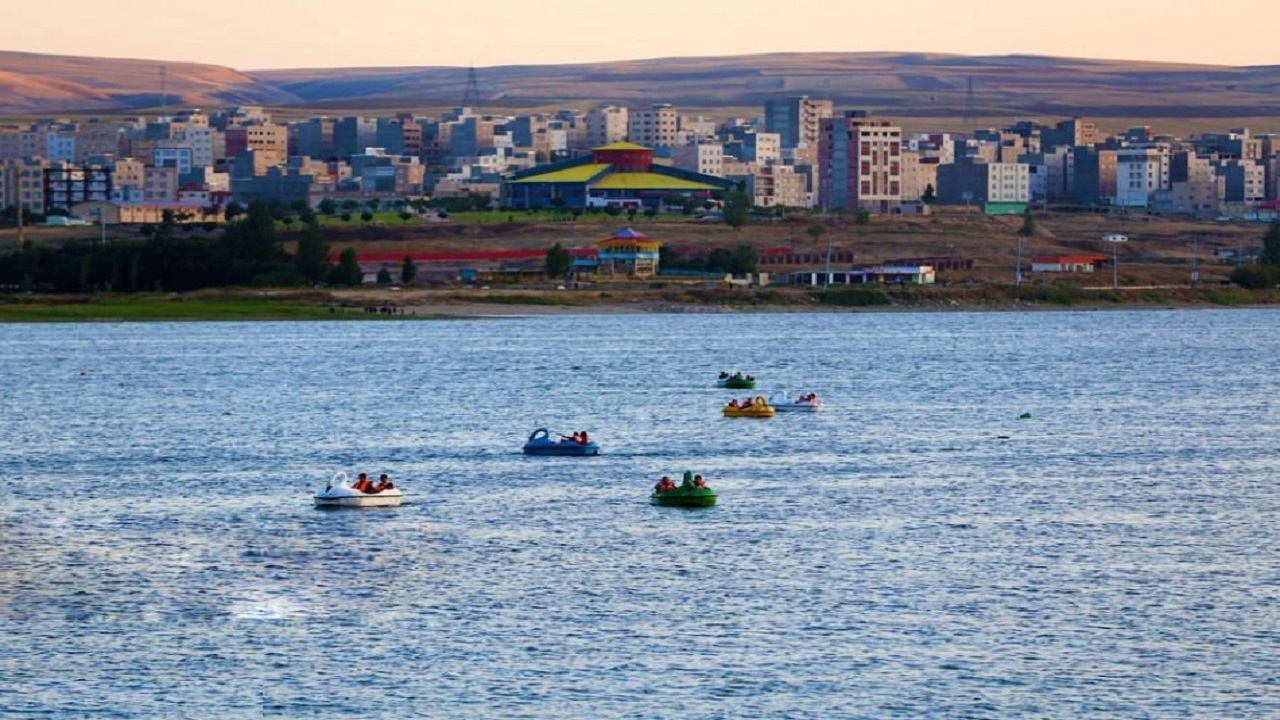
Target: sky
x,y
268,34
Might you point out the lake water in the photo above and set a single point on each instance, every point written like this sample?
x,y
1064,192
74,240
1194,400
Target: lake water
x,y
916,551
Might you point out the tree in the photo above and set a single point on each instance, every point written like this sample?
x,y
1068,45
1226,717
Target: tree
x,y
930,196
312,258
328,207
744,260
1271,245
366,216
1028,224
651,212
737,209
863,217
233,210
558,260
815,231
251,245
347,271
384,276
406,216
408,270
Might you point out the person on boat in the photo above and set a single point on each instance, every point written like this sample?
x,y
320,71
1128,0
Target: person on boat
x,y
723,375
362,483
698,482
746,403
384,483
582,437
665,484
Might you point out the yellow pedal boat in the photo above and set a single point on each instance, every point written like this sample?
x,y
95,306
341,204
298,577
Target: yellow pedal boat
x,y
758,408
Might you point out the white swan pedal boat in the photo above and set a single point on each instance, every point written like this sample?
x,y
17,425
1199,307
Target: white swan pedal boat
x,y
805,403
339,493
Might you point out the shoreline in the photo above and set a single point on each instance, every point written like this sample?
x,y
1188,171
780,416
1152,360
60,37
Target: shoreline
x,y
390,305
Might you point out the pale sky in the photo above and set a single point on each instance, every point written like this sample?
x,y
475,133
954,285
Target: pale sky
x,y
260,34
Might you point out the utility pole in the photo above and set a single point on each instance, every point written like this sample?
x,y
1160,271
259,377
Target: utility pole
x,y
826,278
22,233
1195,255
1017,271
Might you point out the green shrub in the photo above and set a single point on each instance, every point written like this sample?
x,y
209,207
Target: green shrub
x,y
1256,277
853,297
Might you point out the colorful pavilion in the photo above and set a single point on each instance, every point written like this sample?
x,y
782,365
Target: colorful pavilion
x,y
620,174
628,252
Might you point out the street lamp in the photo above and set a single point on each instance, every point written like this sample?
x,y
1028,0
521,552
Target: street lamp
x,y
1115,241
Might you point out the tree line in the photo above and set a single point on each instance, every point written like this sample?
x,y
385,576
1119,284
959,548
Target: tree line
x,y
248,253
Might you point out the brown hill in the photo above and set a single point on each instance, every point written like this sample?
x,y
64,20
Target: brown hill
x,y
33,83
929,88
900,84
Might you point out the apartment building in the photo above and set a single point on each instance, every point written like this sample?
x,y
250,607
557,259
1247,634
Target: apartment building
x,y
918,175
18,142
797,120
772,185
606,124
1141,171
67,184
982,183
1094,175
703,158
860,161
270,141
653,127
22,184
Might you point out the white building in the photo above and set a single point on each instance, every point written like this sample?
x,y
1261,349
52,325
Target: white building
x,y
1141,171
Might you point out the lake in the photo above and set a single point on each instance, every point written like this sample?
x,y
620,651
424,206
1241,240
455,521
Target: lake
x,y
917,550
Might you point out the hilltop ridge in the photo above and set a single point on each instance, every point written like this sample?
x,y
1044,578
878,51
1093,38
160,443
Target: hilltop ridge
x,y
920,85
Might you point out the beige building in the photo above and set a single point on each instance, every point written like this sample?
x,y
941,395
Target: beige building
x,y
606,124
97,138
773,185
653,127
270,141
22,184
918,174
160,185
705,158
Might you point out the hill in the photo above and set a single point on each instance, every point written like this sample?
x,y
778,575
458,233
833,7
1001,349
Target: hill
x,y
907,85
31,83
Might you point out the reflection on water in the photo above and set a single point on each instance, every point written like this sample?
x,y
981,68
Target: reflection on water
x,y
916,550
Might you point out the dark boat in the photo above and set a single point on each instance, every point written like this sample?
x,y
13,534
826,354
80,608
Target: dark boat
x,y
540,443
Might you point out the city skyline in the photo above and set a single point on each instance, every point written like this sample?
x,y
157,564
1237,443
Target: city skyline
x,y
255,36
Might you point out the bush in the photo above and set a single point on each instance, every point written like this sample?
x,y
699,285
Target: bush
x,y
1256,277
853,297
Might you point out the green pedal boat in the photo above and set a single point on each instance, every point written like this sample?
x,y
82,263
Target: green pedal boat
x,y
693,492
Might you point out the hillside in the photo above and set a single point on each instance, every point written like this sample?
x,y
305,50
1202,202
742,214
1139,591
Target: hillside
x,y
907,85
31,83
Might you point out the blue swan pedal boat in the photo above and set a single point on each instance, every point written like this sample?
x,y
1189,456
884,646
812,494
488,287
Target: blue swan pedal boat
x,y
540,442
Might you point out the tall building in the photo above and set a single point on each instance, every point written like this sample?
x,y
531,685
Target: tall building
x,y
797,120
655,127
860,162
1140,172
